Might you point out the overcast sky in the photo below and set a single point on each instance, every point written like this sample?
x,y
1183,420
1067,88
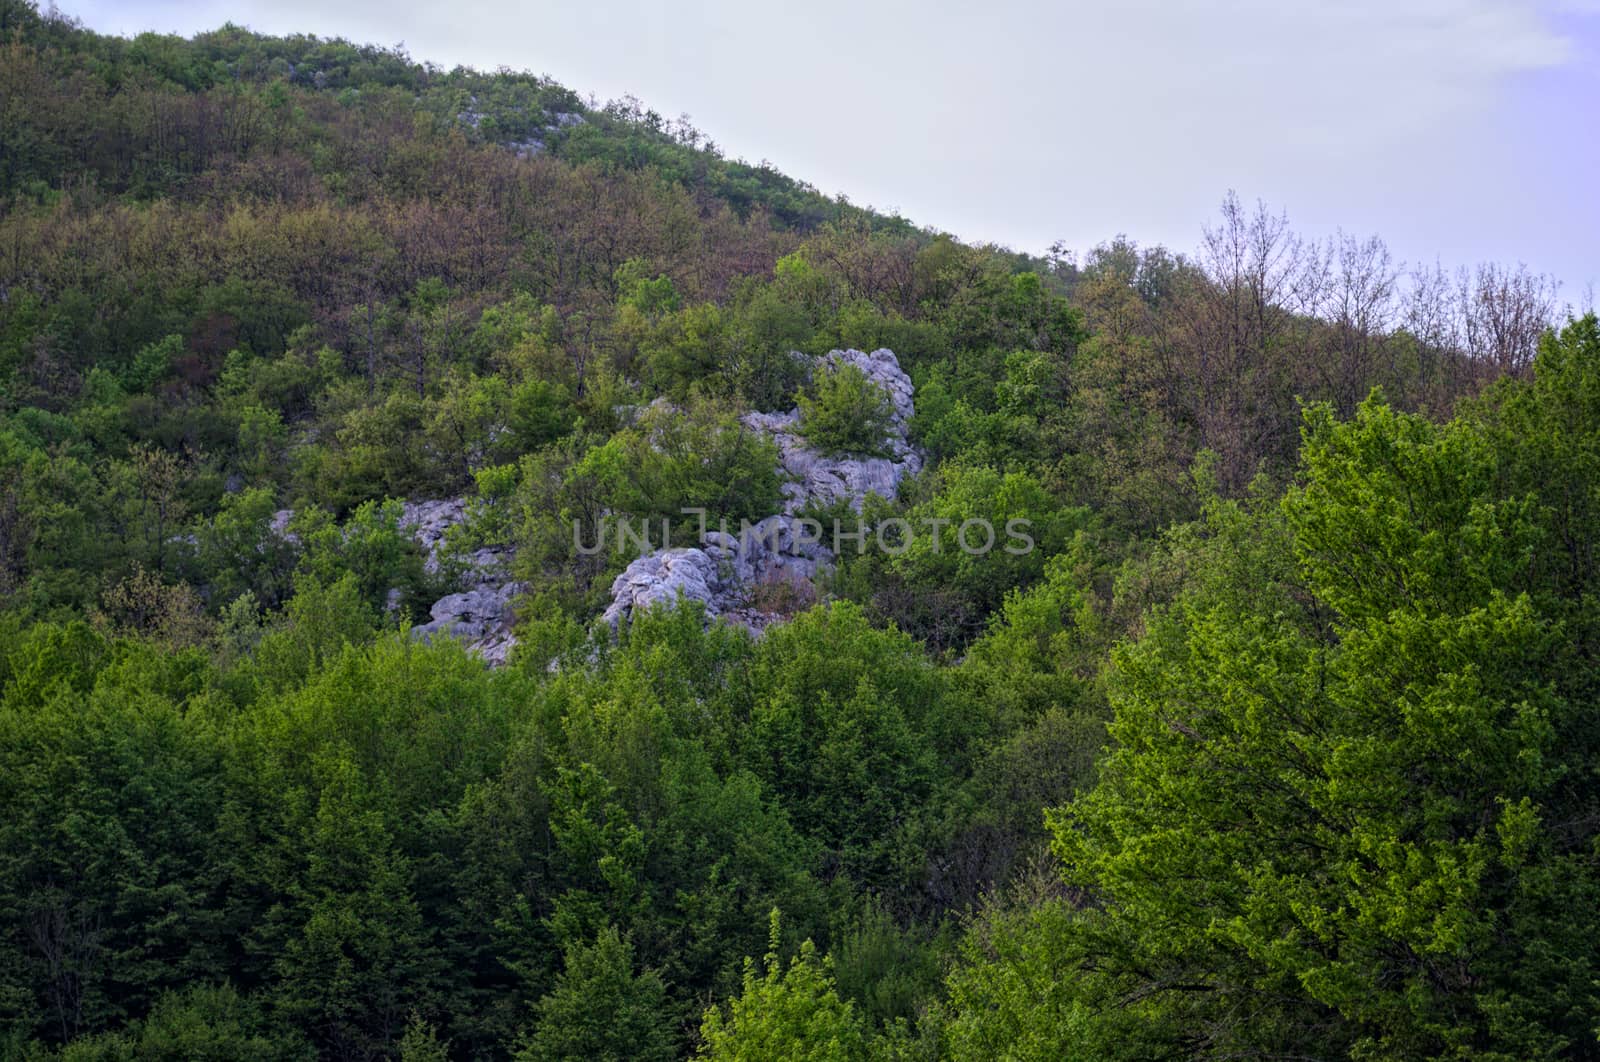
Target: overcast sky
x,y
1467,130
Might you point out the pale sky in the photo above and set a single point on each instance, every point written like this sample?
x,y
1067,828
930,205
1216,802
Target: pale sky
x,y
1467,130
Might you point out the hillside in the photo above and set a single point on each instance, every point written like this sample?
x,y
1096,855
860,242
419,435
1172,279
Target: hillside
x,y
484,574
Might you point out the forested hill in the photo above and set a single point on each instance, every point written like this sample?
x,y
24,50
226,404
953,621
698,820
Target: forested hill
x,y
1277,743
186,106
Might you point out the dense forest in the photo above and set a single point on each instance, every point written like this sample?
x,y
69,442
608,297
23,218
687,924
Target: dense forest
x,y
1280,744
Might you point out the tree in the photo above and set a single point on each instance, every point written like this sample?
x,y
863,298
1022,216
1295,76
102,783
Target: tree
x,y
1015,991
845,413
978,536
421,1043
109,894
371,546
351,954
601,1009
852,727
203,1023
785,1012
1334,797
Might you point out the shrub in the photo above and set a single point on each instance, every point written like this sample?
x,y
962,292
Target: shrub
x,y
846,413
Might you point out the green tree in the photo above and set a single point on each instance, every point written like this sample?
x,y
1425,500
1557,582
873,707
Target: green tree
x,y
351,954
791,1011
1334,793
601,1009
370,545
854,730
109,886
203,1023
980,534
845,412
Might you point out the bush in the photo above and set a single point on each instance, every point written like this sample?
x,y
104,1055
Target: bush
x,y
846,413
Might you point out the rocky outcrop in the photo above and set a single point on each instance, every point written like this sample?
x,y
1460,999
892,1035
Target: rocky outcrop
x,y
430,521
819,479
663,577
739,575
749,575
481,615
481,618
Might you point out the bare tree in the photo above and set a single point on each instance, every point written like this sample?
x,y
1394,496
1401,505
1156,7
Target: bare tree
x,y
1505,311
68,943
16,536
1359,305
1240,326
1431,317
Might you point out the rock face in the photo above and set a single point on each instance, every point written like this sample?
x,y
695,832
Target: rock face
x,y
429,521
661,578
749,575
481,616
731,574
817,479
741,576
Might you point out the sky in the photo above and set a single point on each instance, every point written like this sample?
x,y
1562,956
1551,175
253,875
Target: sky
x,y
1462,131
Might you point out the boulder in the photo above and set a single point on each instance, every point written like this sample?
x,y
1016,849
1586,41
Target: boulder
x,y
723,573
664,576
481,618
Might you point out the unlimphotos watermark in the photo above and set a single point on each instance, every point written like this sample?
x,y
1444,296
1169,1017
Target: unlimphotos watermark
x,y
974,536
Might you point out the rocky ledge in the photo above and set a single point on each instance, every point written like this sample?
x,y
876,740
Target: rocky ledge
x,y
816,478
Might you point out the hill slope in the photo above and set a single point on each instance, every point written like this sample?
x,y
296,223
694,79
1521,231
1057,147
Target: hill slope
x,y
1274,742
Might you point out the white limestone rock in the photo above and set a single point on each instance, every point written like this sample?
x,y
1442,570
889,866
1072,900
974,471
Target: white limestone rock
x,y
430,521
727,568
818,479
481,615
663,577
722,573
481,618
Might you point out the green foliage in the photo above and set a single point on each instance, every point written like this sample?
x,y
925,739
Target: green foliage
x,y
1014,994
108,875
888,972
241,552
601,1009
845,413
371,546
948,560
675,459
421,1043
153,362
850,727
1353,788
203,1023
791,1011
1308,692
582,509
